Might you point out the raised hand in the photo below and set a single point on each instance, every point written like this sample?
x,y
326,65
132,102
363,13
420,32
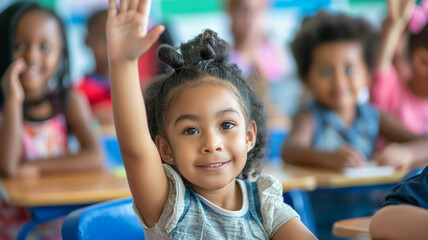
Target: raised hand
x,y
127,36
400,10
10,82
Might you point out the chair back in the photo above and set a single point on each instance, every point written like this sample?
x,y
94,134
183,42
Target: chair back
x,y
108,220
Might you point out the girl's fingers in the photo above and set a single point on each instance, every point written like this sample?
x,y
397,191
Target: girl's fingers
x,y
123,6
144,7
152,36
133,5
112,8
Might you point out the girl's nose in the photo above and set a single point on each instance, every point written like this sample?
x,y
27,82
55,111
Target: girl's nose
x,y
212,142
32,55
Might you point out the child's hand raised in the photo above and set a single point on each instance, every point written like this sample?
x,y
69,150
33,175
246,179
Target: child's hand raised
x,y
127,37
10,83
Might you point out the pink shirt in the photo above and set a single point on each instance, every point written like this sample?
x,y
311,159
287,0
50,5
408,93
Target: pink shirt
x,y
45,138
391,95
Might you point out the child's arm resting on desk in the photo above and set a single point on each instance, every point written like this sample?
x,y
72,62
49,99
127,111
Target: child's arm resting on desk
x,y
400,222
407,150
297,149
127,40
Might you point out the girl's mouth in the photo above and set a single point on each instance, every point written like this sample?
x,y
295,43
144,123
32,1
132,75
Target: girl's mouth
x,y
215,166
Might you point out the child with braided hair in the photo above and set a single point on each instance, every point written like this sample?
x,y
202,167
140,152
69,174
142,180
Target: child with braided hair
x,y
206,125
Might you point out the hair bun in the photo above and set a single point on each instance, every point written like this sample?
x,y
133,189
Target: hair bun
x,y
206,46
168,55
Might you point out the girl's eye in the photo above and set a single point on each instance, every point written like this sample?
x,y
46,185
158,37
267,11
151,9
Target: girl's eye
x,y
227,125
326,72
45,47
20,47
350,71
191,131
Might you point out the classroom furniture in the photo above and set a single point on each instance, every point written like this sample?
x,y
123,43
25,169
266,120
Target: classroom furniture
x,y
355,228
54,195
335,178
108,220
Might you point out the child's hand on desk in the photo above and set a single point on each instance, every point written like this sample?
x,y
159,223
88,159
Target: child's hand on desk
x,y
127,30
11,85
346,156
394,155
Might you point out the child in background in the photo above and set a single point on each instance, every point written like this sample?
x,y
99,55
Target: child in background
x,y
337,130
407,100
255,54
96,86
38,111
404,214
205,123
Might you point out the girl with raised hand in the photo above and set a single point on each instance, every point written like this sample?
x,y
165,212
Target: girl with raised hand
x,y
205,123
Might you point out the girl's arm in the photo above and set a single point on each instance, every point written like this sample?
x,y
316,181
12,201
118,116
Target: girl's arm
x,y
127,40
399,13
293,230
11,119
407,150
79,119
399,222
297,148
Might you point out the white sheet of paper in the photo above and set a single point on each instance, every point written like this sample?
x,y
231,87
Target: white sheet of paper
x,y
368,170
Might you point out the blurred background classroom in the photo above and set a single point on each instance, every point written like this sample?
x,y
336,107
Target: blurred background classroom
x,y
186,18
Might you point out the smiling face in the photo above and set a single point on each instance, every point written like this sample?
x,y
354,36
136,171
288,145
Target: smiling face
x,y
208,135
38,41
337,74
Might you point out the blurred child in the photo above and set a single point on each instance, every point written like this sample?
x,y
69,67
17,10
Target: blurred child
x,y
96,86
407,100
405,212
338,130
259,58
205,123
38,110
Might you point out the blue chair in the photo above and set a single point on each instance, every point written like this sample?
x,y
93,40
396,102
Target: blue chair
x,y
108,220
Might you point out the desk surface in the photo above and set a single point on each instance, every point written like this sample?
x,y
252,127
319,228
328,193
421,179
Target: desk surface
x,y
352,228
64,189
334,178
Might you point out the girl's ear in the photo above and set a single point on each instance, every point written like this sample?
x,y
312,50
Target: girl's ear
x,y
165,150
250,139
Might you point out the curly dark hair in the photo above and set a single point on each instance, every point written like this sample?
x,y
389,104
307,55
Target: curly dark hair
x,y
205,55
61,82
419,39
324,28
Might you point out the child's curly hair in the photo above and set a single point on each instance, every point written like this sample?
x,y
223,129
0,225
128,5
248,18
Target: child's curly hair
x,y
325,28
206,55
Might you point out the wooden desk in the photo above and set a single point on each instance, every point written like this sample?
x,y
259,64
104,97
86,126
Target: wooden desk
x,y
55,195
357,228
64,189
334,178
290,182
